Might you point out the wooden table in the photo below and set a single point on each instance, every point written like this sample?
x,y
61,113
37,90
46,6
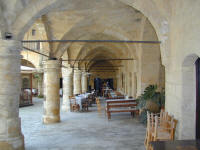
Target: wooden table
x,y
176,145
120,105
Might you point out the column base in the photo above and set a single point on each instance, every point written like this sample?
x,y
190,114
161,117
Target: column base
x,y
51,119
13,143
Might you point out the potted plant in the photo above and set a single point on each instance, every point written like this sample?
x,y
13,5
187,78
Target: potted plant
x,y
151,100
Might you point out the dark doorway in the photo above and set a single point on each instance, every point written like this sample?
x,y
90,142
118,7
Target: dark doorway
x,y
198,99
61,83
110,82
97,85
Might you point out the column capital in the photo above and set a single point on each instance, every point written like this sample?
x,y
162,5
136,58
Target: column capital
x,y
51,64
67,71
84,73
12,45
77,71
10,48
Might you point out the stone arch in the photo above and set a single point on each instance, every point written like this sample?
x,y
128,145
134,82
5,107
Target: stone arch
x,y
158,20
150,57
28,63
187,117
30,14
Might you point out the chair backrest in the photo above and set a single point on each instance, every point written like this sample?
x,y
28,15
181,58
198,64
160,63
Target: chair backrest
x,y
156,126
98,104
149,123
152,119
163,121
97,101
71,97
173,126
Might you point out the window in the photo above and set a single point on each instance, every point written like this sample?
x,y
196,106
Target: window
x,y
33,32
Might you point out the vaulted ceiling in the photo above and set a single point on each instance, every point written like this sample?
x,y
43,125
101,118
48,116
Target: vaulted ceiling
x,y
94,20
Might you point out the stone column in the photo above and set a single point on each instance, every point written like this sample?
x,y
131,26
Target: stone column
x,y
67,74
130,85
134,85
84,82
11,137
77,82
40,85
51,91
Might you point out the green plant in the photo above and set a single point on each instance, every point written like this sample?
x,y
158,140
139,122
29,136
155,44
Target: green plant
x,y
37,76
40,96
151,100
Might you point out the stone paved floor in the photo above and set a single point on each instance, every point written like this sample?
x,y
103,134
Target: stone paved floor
x,y
81,131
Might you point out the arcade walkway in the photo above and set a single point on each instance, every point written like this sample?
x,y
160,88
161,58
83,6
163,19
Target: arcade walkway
x,y
81,131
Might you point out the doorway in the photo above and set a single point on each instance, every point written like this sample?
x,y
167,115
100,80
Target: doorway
x,y
198,99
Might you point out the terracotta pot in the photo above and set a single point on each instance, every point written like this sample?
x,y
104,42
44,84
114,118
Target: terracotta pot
x,y
152,106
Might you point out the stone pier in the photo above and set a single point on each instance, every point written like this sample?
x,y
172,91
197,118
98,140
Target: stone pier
x,y
77,82
40,85
51,91
11,137
84,82
67,74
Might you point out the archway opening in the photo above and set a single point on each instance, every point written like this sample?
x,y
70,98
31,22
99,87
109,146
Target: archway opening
x,y
105,25
197,63
187,125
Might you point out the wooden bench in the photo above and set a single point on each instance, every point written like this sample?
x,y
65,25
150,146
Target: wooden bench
x,y
121,105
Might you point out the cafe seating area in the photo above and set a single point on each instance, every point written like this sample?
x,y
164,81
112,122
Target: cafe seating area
x,y
82,102
160,126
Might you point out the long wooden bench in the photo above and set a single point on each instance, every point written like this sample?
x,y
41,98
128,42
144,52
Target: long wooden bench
x,y
120,105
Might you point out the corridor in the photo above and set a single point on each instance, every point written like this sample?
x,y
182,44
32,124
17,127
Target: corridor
x,y
81,131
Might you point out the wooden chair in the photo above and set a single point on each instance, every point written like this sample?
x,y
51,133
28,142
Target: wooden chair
x,y
159,127
148,131
73,105
90,100
85,106
71,97
98,105
162,133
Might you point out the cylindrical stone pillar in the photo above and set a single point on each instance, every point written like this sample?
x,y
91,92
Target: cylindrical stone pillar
x,y
10,123
77,82
130,86
84,82
134,85
67,74
40,85
51,91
